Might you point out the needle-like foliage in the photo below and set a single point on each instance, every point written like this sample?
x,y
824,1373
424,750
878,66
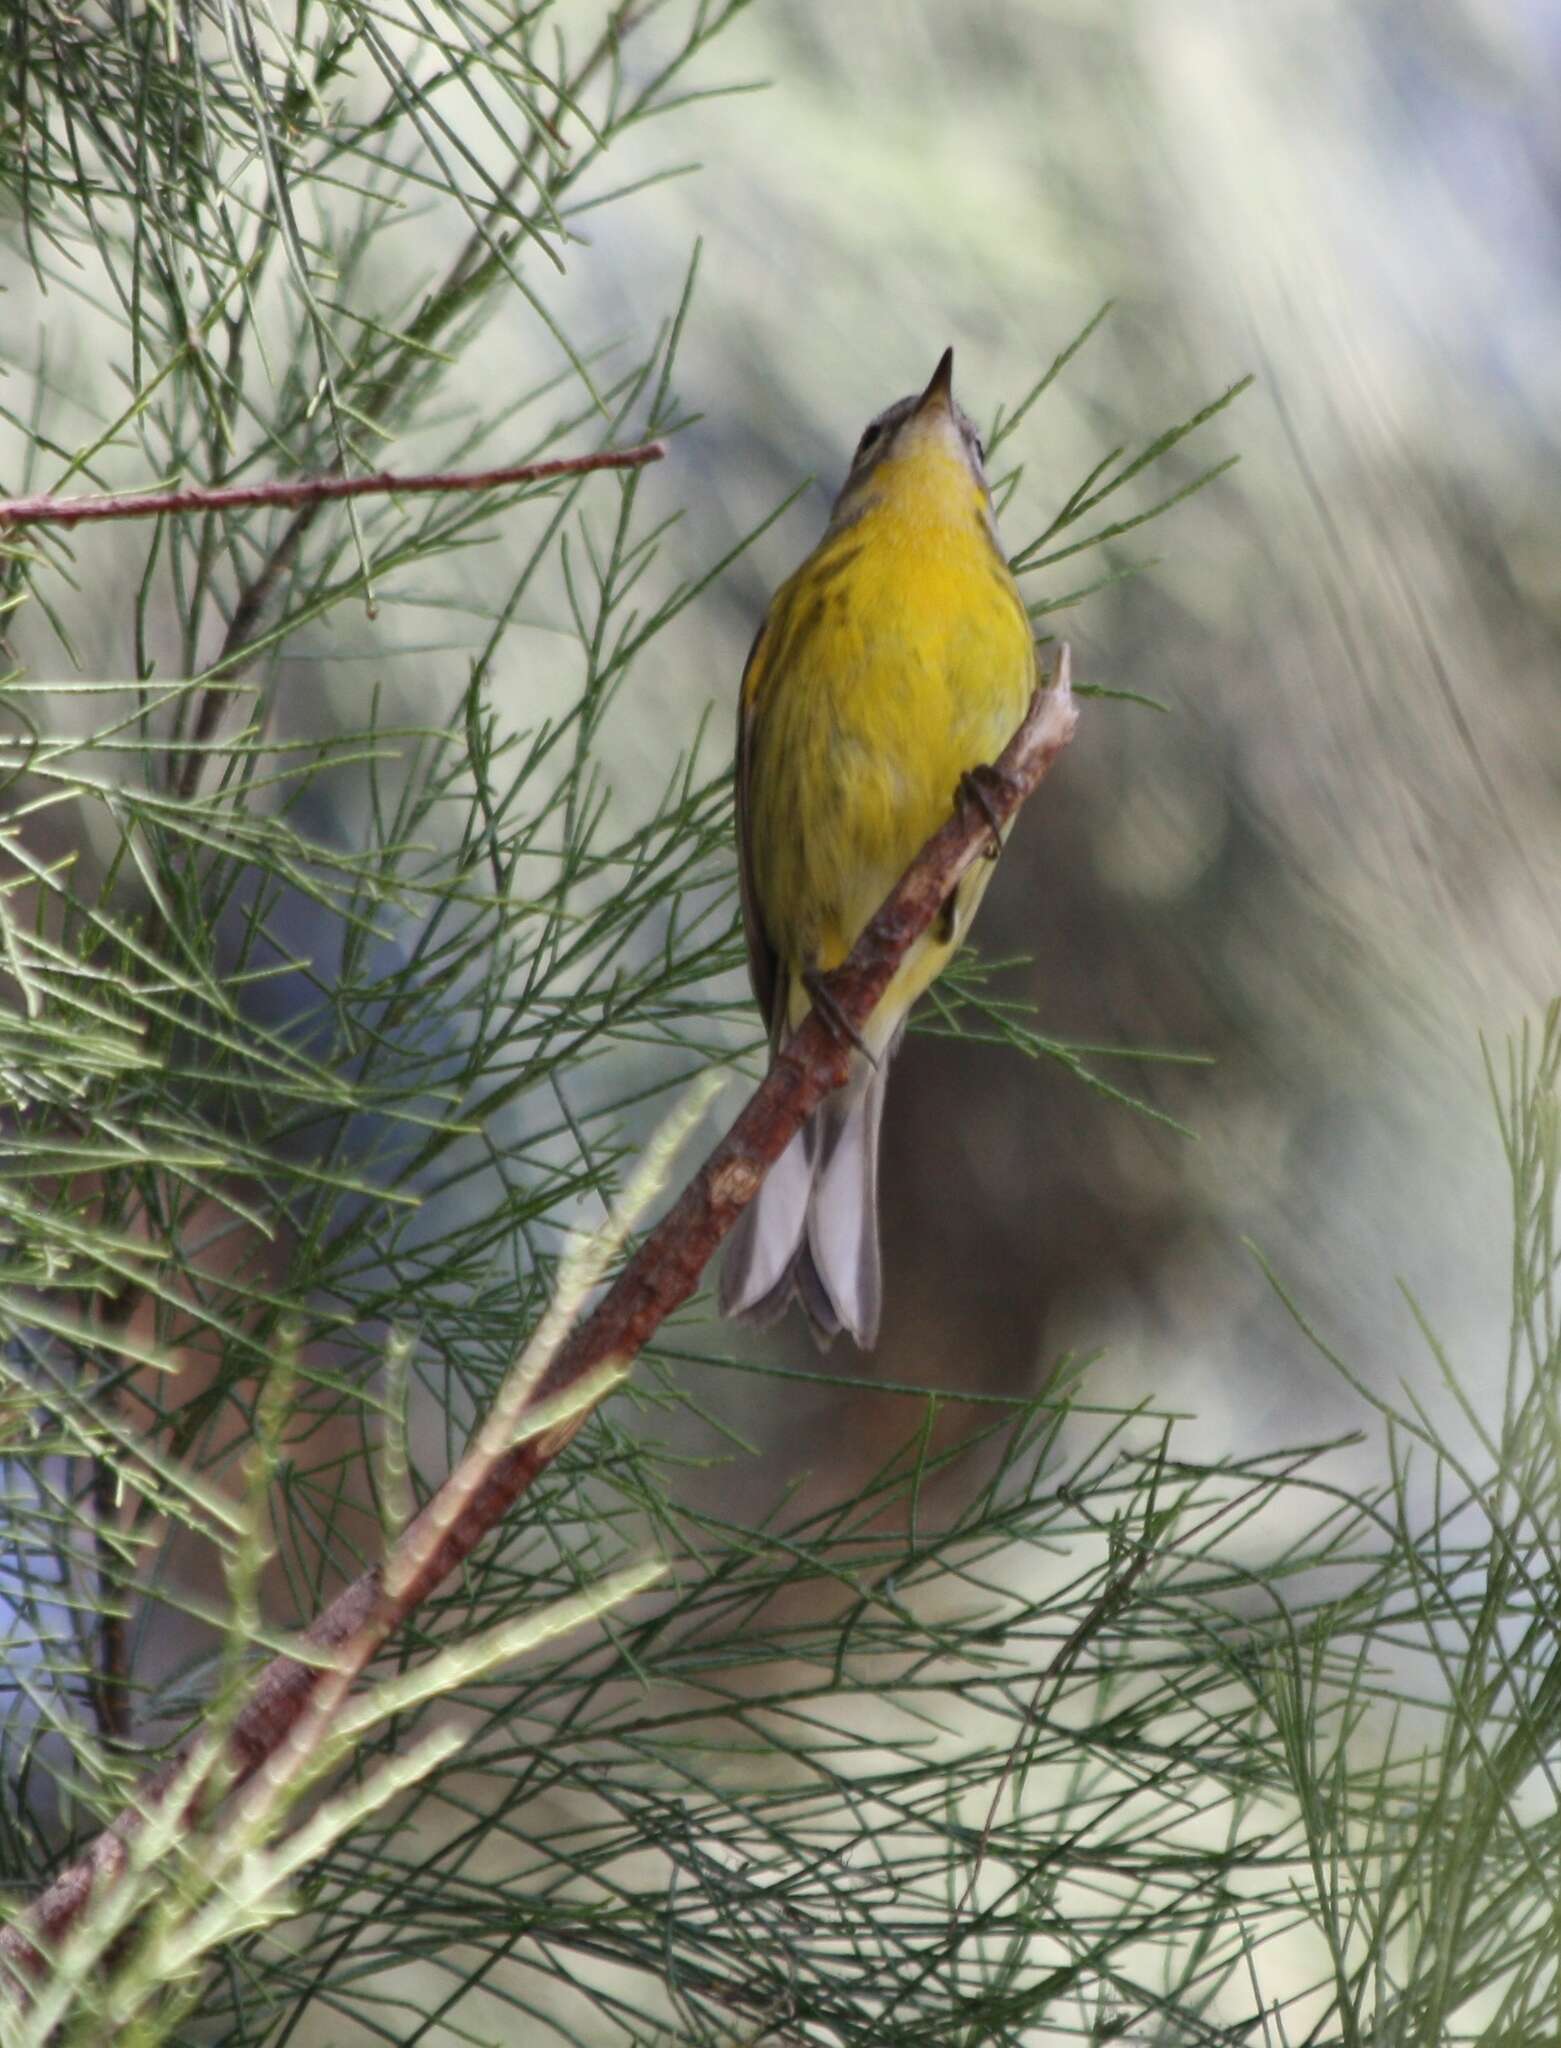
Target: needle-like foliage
x,y
327,1029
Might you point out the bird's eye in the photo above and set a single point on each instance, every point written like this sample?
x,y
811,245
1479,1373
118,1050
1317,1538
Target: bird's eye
x,y
980,451
873,433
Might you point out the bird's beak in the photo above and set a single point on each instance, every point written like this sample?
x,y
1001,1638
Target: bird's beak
x,y
939,394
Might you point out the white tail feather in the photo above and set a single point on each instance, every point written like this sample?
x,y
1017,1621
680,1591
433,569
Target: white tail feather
x,y
812,1229
756,1276
842,1216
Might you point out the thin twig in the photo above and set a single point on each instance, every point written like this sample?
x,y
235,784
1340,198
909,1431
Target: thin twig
x,y
109,1680
1118,1590
312,490
660,1276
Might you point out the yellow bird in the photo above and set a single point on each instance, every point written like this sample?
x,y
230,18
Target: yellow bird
x,y
897,658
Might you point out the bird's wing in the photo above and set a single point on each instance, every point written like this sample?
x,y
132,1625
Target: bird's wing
x,y
763,966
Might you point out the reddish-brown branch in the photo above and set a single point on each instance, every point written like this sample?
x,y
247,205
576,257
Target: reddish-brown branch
x,y
313,490
657,1279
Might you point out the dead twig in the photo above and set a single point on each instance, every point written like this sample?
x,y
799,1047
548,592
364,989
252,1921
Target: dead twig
x,y
313,490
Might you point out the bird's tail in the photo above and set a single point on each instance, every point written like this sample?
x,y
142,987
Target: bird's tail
x,y
812,1229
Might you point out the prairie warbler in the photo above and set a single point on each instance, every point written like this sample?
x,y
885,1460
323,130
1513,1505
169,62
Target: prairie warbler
x,y
895,660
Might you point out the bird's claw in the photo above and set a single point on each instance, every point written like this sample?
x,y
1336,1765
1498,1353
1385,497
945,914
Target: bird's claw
x,y
835,1020
975,787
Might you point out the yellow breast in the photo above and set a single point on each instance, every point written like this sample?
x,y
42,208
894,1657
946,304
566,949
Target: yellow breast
x,y
896,658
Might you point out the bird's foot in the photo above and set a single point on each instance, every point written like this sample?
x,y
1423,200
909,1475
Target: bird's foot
x,y
976,787
836,1022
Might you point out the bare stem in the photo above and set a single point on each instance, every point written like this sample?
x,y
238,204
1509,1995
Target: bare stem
x,y
659,1277
110,1686
312,490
